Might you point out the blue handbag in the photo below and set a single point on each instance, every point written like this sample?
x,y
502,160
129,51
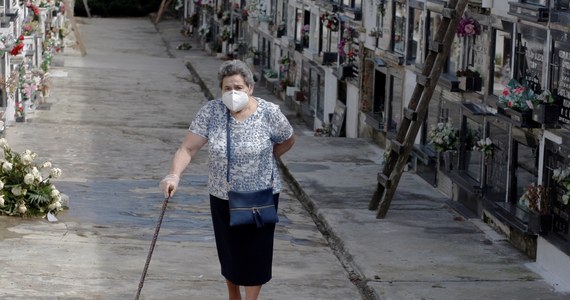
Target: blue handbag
x,y
255,207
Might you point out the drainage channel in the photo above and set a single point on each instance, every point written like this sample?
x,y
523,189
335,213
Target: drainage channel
x,y
334,241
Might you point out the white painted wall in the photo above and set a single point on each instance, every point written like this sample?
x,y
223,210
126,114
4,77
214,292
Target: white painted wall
x,y
352,95
409,86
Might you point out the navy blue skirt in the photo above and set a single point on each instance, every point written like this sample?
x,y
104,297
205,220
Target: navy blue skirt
x,y
245,252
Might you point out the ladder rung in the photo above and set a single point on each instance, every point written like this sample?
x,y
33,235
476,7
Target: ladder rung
x,y
436,47
422,80
448,13
410,114
396,147
384,180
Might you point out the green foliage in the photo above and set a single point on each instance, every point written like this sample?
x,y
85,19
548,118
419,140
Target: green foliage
x,y
118,8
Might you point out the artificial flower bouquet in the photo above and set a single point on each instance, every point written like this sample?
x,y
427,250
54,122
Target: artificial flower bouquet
x,y
24,191
468,27
517,96
330,21
485,146
544,98
443,136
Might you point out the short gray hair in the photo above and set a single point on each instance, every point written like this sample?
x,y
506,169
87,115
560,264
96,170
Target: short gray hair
x,y
236,67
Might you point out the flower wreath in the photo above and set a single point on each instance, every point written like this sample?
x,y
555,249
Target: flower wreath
x,y
330,21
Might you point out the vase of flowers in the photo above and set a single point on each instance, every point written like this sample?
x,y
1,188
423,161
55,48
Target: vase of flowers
x,y
305,35
443,136
24,190
562,177
485,146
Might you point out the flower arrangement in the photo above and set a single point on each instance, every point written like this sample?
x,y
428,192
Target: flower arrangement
x,y
30,27
284,60
485,146
516,96
283,84
323,131
225,35
544,98
305,31
467,73
468,27
24,191
19,113
345,43
35,11
443,136
562,176
6,42
381,7
18,46
536,199
352,55
330,21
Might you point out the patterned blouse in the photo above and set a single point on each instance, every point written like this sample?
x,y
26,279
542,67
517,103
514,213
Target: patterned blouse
x,y
252,140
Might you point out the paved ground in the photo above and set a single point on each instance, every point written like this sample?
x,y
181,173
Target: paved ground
x,y
114,123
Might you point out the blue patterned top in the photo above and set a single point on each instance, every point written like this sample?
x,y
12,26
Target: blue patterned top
x,y
252,140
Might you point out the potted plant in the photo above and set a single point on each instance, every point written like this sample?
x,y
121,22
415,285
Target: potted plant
x,y
535,200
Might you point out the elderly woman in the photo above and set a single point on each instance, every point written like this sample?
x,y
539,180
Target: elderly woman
x,y
259,133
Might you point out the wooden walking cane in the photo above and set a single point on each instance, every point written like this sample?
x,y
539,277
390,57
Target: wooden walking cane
x,y
154,238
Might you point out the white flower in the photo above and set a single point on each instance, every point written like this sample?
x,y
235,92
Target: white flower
x,y
29,178
1,184
488,142
47,164
27,159
58,205
55,173
3,143
54,193
36,173
16,190
22,208
1,200
6,166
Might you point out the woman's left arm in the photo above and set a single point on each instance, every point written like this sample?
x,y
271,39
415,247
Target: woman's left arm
x,y
282,148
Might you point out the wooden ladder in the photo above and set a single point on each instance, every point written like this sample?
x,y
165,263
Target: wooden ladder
x,y
415,113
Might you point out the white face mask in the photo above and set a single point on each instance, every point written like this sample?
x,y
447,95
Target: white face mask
x,y
235,100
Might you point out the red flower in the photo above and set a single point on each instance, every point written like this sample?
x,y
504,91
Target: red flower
x,y
519,90
506,92
17,49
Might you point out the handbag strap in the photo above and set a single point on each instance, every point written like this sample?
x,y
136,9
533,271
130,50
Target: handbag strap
x,y
228,145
